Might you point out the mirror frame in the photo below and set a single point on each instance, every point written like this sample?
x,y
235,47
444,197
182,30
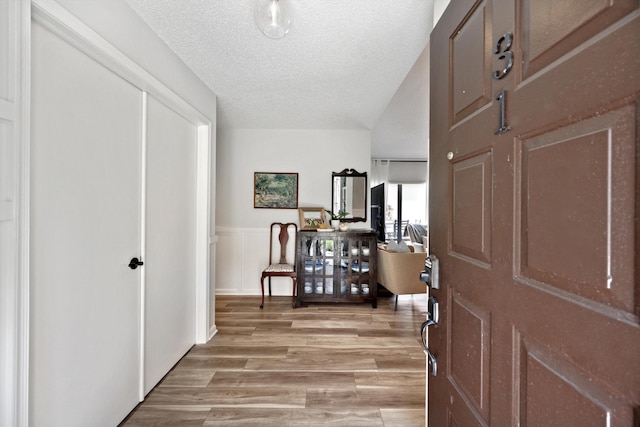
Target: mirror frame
x,y
351,173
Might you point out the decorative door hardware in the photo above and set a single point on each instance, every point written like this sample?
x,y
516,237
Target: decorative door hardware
x,y
502,125
504,54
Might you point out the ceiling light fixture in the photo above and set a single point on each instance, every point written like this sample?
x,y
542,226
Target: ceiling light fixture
x,y
273,17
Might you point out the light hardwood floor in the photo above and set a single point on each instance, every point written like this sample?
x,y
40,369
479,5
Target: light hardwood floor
x,y
342,365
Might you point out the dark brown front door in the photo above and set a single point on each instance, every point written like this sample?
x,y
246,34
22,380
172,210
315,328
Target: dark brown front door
x,y
534,213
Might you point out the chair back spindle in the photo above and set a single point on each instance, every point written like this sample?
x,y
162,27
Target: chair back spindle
x,y
284,239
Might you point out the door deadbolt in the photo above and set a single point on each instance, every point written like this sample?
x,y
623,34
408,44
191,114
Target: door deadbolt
x,y
431,273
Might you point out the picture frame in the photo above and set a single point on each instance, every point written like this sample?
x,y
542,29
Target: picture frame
x,y
311,218
275,190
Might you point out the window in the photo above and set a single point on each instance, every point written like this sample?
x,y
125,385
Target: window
x,y
408,200
405,191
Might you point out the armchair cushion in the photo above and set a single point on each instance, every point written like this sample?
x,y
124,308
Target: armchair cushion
x,y
400,247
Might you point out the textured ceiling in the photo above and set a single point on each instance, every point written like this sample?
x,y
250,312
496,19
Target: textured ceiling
x,y
338,67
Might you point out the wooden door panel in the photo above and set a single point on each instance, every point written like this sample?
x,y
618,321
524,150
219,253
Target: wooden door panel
x,y
567,99
600,342
469,352
470,62
536,228
460,415
553,392
569,210
547,34
471,184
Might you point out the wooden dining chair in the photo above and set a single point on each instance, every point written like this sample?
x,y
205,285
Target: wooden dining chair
x,y
278,248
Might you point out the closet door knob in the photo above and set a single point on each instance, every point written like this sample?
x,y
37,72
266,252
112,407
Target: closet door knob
x,y
134,263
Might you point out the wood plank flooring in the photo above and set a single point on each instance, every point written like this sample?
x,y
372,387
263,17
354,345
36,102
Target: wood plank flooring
x,y
341,365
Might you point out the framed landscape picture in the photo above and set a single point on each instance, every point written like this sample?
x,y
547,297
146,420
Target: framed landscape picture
x,y
275,190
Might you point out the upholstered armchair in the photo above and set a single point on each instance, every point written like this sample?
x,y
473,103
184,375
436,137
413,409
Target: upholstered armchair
x,y
399,272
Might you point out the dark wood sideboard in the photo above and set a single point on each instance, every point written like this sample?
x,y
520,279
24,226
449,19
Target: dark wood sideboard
x,y
336,266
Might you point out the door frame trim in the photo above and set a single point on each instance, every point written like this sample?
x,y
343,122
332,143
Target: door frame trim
x,y
14,279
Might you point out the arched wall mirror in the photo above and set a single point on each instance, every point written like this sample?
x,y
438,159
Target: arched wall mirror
x,y
349,194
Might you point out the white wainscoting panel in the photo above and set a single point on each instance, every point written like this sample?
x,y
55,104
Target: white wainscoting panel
x,y
241,255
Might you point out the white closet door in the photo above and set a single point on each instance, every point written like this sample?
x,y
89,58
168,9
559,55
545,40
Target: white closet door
x,y
170,240
85,227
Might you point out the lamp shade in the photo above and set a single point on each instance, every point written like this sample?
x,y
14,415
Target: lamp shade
x,y
273,17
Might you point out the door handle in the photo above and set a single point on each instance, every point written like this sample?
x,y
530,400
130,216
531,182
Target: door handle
x,y
134,263
433,363
423,331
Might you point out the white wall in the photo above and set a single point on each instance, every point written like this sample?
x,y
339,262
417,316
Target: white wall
x,y
402,132
243,231
439,6
120,25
